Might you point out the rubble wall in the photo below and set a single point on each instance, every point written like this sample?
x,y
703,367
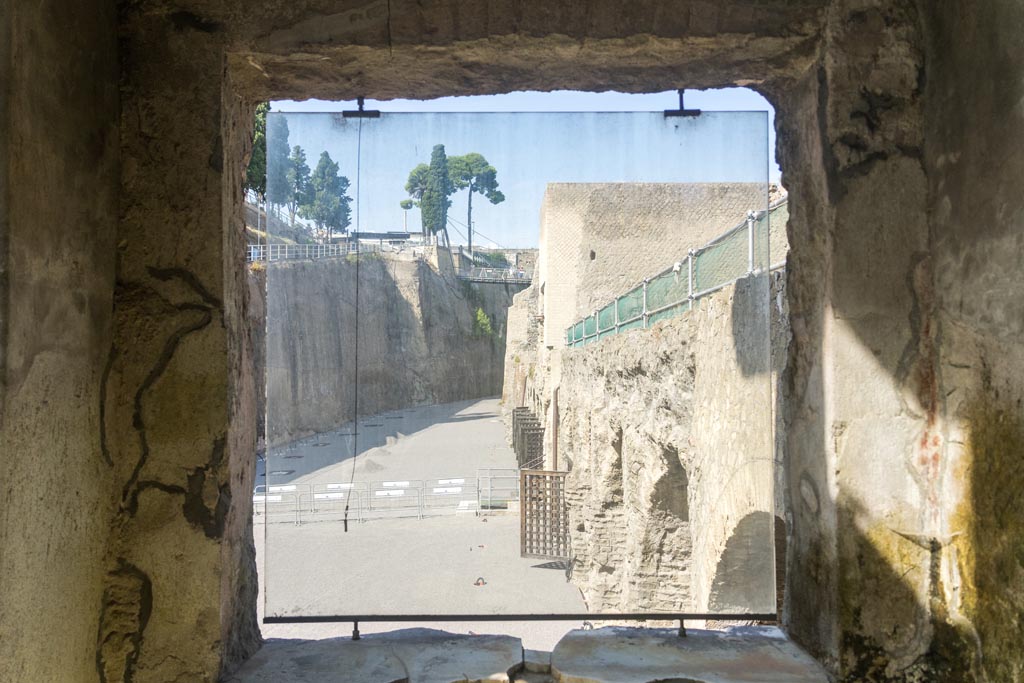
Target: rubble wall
x,y
667,435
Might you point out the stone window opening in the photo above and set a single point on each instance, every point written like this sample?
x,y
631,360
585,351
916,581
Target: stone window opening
x,y
668,493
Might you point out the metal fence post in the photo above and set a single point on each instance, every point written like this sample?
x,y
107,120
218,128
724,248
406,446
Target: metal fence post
x,y
750,241
689,280
645,304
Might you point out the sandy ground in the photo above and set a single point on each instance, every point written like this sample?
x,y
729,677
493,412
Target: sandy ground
x,y
406,565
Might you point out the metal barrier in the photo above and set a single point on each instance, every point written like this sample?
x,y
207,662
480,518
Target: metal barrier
x,y
497,489
449,495
332,501
730,256
286,252
278,503
492,490
497,275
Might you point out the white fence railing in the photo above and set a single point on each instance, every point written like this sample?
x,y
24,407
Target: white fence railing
x,y
285,252
497,275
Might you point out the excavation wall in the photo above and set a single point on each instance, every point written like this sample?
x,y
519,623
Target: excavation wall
x,y
420,340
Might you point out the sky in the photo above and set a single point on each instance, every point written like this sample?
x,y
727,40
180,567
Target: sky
x,y
538,143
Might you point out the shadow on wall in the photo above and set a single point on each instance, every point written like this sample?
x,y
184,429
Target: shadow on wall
x,y
990,551
751,324
888,633
744,574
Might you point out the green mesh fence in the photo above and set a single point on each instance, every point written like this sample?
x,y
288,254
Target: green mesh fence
x,y
779,243
669,312
721,262
606,318
631,305
668,288
717,264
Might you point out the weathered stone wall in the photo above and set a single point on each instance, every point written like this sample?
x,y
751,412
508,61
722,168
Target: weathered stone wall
x,y
58,231
521,339
897,125
600,239
973,318
667,434
180,401
417,334
876,583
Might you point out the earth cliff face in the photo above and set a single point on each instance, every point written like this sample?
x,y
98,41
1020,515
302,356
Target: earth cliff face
x,y
421,339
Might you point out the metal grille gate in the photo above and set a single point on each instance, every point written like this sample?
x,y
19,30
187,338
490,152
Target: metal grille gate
x,y
527,438
544,531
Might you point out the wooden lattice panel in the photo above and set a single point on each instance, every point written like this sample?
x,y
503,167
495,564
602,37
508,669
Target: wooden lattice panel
x,y
544,529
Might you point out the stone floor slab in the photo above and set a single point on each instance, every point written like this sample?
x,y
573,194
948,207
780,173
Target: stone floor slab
x,y
537,661
408,656
623,655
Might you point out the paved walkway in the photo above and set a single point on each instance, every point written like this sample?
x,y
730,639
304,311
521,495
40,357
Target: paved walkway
x,y
406,565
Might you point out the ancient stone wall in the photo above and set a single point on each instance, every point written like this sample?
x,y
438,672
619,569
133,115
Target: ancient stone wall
x,y
521,341
875,482
418,336
58,231
897,122
667,436
972,388
600,239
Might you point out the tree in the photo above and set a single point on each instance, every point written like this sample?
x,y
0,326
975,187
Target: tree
x,y
297,179
472,172
417,182
277,159
328,205
414,187
256,173
406,204
434,201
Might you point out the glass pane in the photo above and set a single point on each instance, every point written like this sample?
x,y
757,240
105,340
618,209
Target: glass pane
x,y
414,351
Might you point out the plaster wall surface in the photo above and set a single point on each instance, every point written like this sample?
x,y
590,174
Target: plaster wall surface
x,y
418,336
58,224
598,240
973,399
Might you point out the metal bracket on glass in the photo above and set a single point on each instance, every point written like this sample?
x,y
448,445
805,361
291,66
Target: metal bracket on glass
x,y
682,111
361,113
